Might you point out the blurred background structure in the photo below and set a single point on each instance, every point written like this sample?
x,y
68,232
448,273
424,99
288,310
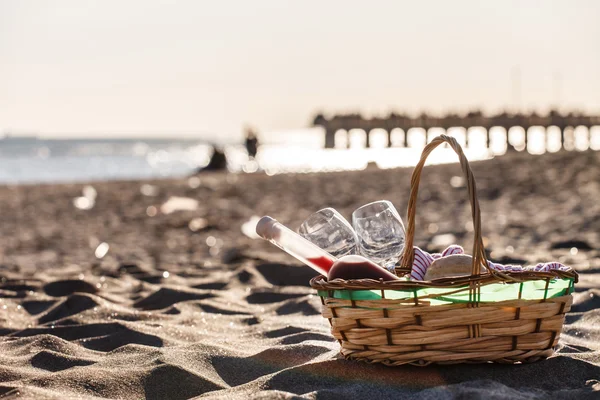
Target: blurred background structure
x,y
469,121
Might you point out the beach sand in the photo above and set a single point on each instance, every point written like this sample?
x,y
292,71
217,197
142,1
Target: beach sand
x,y
180,305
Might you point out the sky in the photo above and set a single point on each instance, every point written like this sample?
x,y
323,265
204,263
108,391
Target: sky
x,y
156,68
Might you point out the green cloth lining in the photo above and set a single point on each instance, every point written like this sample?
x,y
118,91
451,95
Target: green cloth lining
x,y
495,292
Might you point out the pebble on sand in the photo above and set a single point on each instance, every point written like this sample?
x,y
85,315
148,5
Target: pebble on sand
x,y
88,200
179,204
101,250
197,224
149,190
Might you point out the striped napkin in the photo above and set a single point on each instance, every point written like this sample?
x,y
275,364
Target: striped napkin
x,y
423,260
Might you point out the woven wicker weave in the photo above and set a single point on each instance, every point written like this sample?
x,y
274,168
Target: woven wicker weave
x,y
418,330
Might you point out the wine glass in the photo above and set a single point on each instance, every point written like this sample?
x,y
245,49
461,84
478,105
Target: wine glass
x,y
380,231
331,232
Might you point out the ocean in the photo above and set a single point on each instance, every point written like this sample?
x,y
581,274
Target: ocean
x,y
29,160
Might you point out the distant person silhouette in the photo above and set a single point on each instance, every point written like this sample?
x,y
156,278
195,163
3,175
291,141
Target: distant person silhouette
x,y
218,161
251,143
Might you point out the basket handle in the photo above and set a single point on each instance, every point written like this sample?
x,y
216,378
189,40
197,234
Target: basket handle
x,y
407,258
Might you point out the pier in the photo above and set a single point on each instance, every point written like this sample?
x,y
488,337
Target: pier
x,y
475,119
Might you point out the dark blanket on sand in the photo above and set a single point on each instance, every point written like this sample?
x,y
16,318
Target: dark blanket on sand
x,y
183,304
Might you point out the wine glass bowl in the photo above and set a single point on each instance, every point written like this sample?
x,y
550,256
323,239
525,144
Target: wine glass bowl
x,y
330,231
380,231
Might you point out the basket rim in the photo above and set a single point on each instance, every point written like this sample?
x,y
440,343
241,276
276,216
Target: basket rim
x,y
320,282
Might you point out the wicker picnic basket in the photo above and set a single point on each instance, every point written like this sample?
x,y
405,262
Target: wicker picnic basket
x,y
504,317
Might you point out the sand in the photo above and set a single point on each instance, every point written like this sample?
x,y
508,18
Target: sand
x,y
122,300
